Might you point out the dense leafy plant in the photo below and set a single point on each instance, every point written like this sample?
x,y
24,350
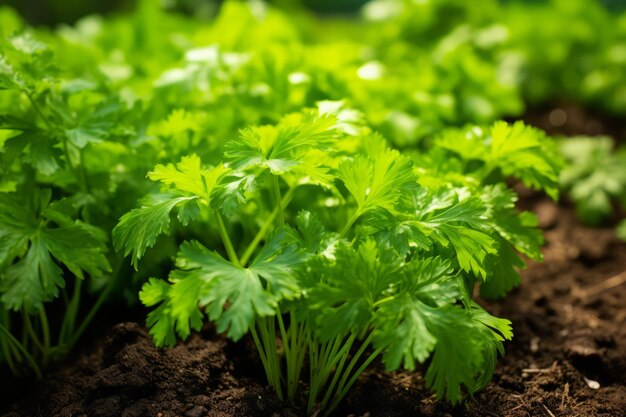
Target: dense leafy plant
x,y
67,174
346,250
595,178
305,226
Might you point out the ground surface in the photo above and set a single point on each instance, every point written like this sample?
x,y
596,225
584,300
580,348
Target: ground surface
x,y
568,357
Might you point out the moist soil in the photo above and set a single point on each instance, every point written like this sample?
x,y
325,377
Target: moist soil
x,y
568,357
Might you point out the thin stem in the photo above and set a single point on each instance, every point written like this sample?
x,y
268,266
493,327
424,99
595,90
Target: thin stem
x,y
22,350
354,361
8,356
83,179
295,350
346,387
265,228
7,349
230,250
31,332
69,320
344,353
96,306
45,328
38,110
278,199
383,300
348,225
330,356
267,344
283,331
269,370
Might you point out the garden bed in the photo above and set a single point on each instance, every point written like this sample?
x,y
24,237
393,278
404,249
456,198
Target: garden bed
x,y
568,319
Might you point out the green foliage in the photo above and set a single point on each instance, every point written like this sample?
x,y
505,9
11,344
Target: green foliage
x,y
594,177
262,134
382,256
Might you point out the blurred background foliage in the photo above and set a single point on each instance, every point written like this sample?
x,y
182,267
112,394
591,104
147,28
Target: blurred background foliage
x,y
54,12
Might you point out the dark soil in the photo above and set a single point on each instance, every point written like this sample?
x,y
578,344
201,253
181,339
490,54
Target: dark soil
x,y
567,119
569,318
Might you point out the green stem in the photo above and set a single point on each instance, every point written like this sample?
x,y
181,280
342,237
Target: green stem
x,y
299,347
45,328
343,354
353,362
265,228
31,332
348,225
266,344
83,180
269,370
327,358
278,199
230,250
69,320
295,350
343,390
38,110
7,349
22,350
383,300
96,306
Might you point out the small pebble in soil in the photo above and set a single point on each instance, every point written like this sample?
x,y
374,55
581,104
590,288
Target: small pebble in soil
x,y
197,411
547,214
557,117
534,344
591,383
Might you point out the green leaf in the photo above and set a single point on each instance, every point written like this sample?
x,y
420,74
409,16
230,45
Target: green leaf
x,y
504,275
178,312
454,218
74,246
458,353
594,176
525,152
312,234
34,240
33,280
138,229
401,320
281,148
378,182
188,176
341,291
232,193
517,150
519,229
402,233
232,295
401,329
495,331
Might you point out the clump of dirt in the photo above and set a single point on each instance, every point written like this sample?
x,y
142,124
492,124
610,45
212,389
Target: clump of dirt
x,y
568,357
126,375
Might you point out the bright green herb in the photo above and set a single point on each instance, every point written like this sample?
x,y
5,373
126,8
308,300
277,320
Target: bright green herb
x,y
595,178
346,250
